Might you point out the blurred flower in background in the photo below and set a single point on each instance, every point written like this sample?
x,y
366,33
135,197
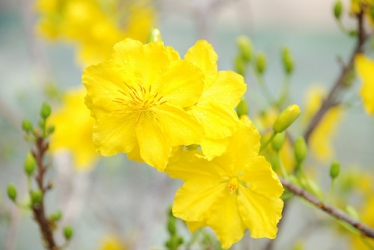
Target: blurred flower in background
x,y
365,69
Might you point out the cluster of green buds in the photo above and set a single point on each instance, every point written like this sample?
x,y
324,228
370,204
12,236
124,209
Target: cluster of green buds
x,y
35,169
175,240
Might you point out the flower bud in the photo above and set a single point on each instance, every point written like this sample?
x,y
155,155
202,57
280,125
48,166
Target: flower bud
x,y
261,62
68,232
12,192
287,60
338,9
36,197
245,48
300,149
334,169
242,108
26,125
51,129
172,229
154,36
286,118
278,141
56,216
239,65
45,110
30,163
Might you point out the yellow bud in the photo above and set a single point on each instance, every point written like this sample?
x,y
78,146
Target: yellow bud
x,y
154,36
278,141
245,48
286,118
261,62
300,149
242,108
30,163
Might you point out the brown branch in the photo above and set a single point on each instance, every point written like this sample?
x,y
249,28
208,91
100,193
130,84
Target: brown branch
x,y
333,211
38,209
332,98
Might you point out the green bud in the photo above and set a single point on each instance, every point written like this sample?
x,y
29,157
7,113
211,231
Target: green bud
x,y
56,216
286,118
26,125
334,169
278,141
30,163
242,108
154,36
172,229
68,232
300,149
338,9
36,197
42,124
239,65
51,129
45,110
12,192
245,48
287,60
261,62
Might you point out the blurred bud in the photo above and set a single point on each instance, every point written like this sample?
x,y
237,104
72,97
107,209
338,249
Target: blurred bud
x,y
286,118
353,33
12,192
172,229
300,149
287,60
154,36
36,196
56,216
278,141
245,48
30,163
68,232
261,62
334,169
239,65
26,125
338,9
50,129
242,108
45,110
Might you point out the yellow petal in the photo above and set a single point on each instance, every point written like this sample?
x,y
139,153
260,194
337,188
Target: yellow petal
x,y
154,146
261,178
194,225
219,121
226,220
226,89
179,127
260,214
212,148
203,56
194,199
183,84
365,68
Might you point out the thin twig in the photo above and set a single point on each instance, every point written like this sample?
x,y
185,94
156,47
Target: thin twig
x,y
332,98
333,211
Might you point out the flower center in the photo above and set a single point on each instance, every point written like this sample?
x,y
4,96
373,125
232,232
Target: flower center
x,y
232,185
138,102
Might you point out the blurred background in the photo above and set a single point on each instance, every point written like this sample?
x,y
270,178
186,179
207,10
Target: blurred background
x,y
128,200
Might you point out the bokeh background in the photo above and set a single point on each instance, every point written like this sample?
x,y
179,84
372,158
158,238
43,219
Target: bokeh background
x,y
130,200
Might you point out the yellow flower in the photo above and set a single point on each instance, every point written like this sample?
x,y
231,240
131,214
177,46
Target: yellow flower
x,y
232,192
320,140
365,70
94,26
73,131
111,243
138,99
221,94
